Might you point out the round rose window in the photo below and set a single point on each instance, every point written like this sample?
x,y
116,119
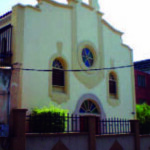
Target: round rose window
x,y
87,57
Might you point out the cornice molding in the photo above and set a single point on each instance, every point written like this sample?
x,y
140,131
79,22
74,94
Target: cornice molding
x,y
57,4
28,6
87,6
126,46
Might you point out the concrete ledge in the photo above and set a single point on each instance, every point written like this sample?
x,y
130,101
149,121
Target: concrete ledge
x,y
110,135
53,134
145,135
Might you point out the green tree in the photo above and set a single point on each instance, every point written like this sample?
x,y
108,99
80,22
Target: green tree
x,y
143,115
47,120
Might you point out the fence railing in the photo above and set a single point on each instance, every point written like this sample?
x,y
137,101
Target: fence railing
x,y
53,124
73,123
113,126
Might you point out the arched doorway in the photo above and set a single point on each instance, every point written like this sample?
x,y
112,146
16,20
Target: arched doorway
x,y
89,105
87,108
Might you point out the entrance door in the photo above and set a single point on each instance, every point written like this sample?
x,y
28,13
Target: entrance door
x,y
88,107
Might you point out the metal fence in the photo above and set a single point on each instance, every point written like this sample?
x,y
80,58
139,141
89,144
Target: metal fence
x,y
113,126
56,123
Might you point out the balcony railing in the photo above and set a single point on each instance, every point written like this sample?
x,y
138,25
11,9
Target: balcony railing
x,y
5,45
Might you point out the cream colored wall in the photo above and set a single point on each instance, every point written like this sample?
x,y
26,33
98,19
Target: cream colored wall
x,y
17,21
118,55
52,24
43,31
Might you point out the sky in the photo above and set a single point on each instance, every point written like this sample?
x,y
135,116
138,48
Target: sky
x,y
132,17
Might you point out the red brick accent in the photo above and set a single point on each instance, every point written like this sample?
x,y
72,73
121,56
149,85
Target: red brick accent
x,y
135,131
60,146
92,132
116,146
17,128
142,92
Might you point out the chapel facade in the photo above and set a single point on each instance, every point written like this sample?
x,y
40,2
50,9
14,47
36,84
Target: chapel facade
x,y
66,55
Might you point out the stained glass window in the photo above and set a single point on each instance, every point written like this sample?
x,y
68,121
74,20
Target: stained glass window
x,y
57,64
87,57
88,107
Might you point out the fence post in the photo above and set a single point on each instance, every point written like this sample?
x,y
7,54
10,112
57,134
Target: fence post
x,y
17,131
135,130
92,132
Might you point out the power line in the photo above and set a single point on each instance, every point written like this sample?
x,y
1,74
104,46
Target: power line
x,y
72,70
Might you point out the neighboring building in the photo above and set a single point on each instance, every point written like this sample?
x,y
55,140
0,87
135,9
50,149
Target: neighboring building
x,y
143,65
142,81
5,60
58,37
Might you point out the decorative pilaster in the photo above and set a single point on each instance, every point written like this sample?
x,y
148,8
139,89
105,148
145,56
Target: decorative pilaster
x,y
92,132
17,129
135,130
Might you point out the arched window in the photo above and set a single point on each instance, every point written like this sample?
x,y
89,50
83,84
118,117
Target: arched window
x,y
4,45
58,76
88,107
112,84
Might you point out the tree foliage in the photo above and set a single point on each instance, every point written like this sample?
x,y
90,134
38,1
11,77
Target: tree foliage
x,y
47,120
143,115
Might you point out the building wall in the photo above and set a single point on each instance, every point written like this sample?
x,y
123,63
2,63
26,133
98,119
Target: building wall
x,y
80,141
55,30
3,108
4,98
4,77
145,145
72,142
107,142
142,93
1,144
